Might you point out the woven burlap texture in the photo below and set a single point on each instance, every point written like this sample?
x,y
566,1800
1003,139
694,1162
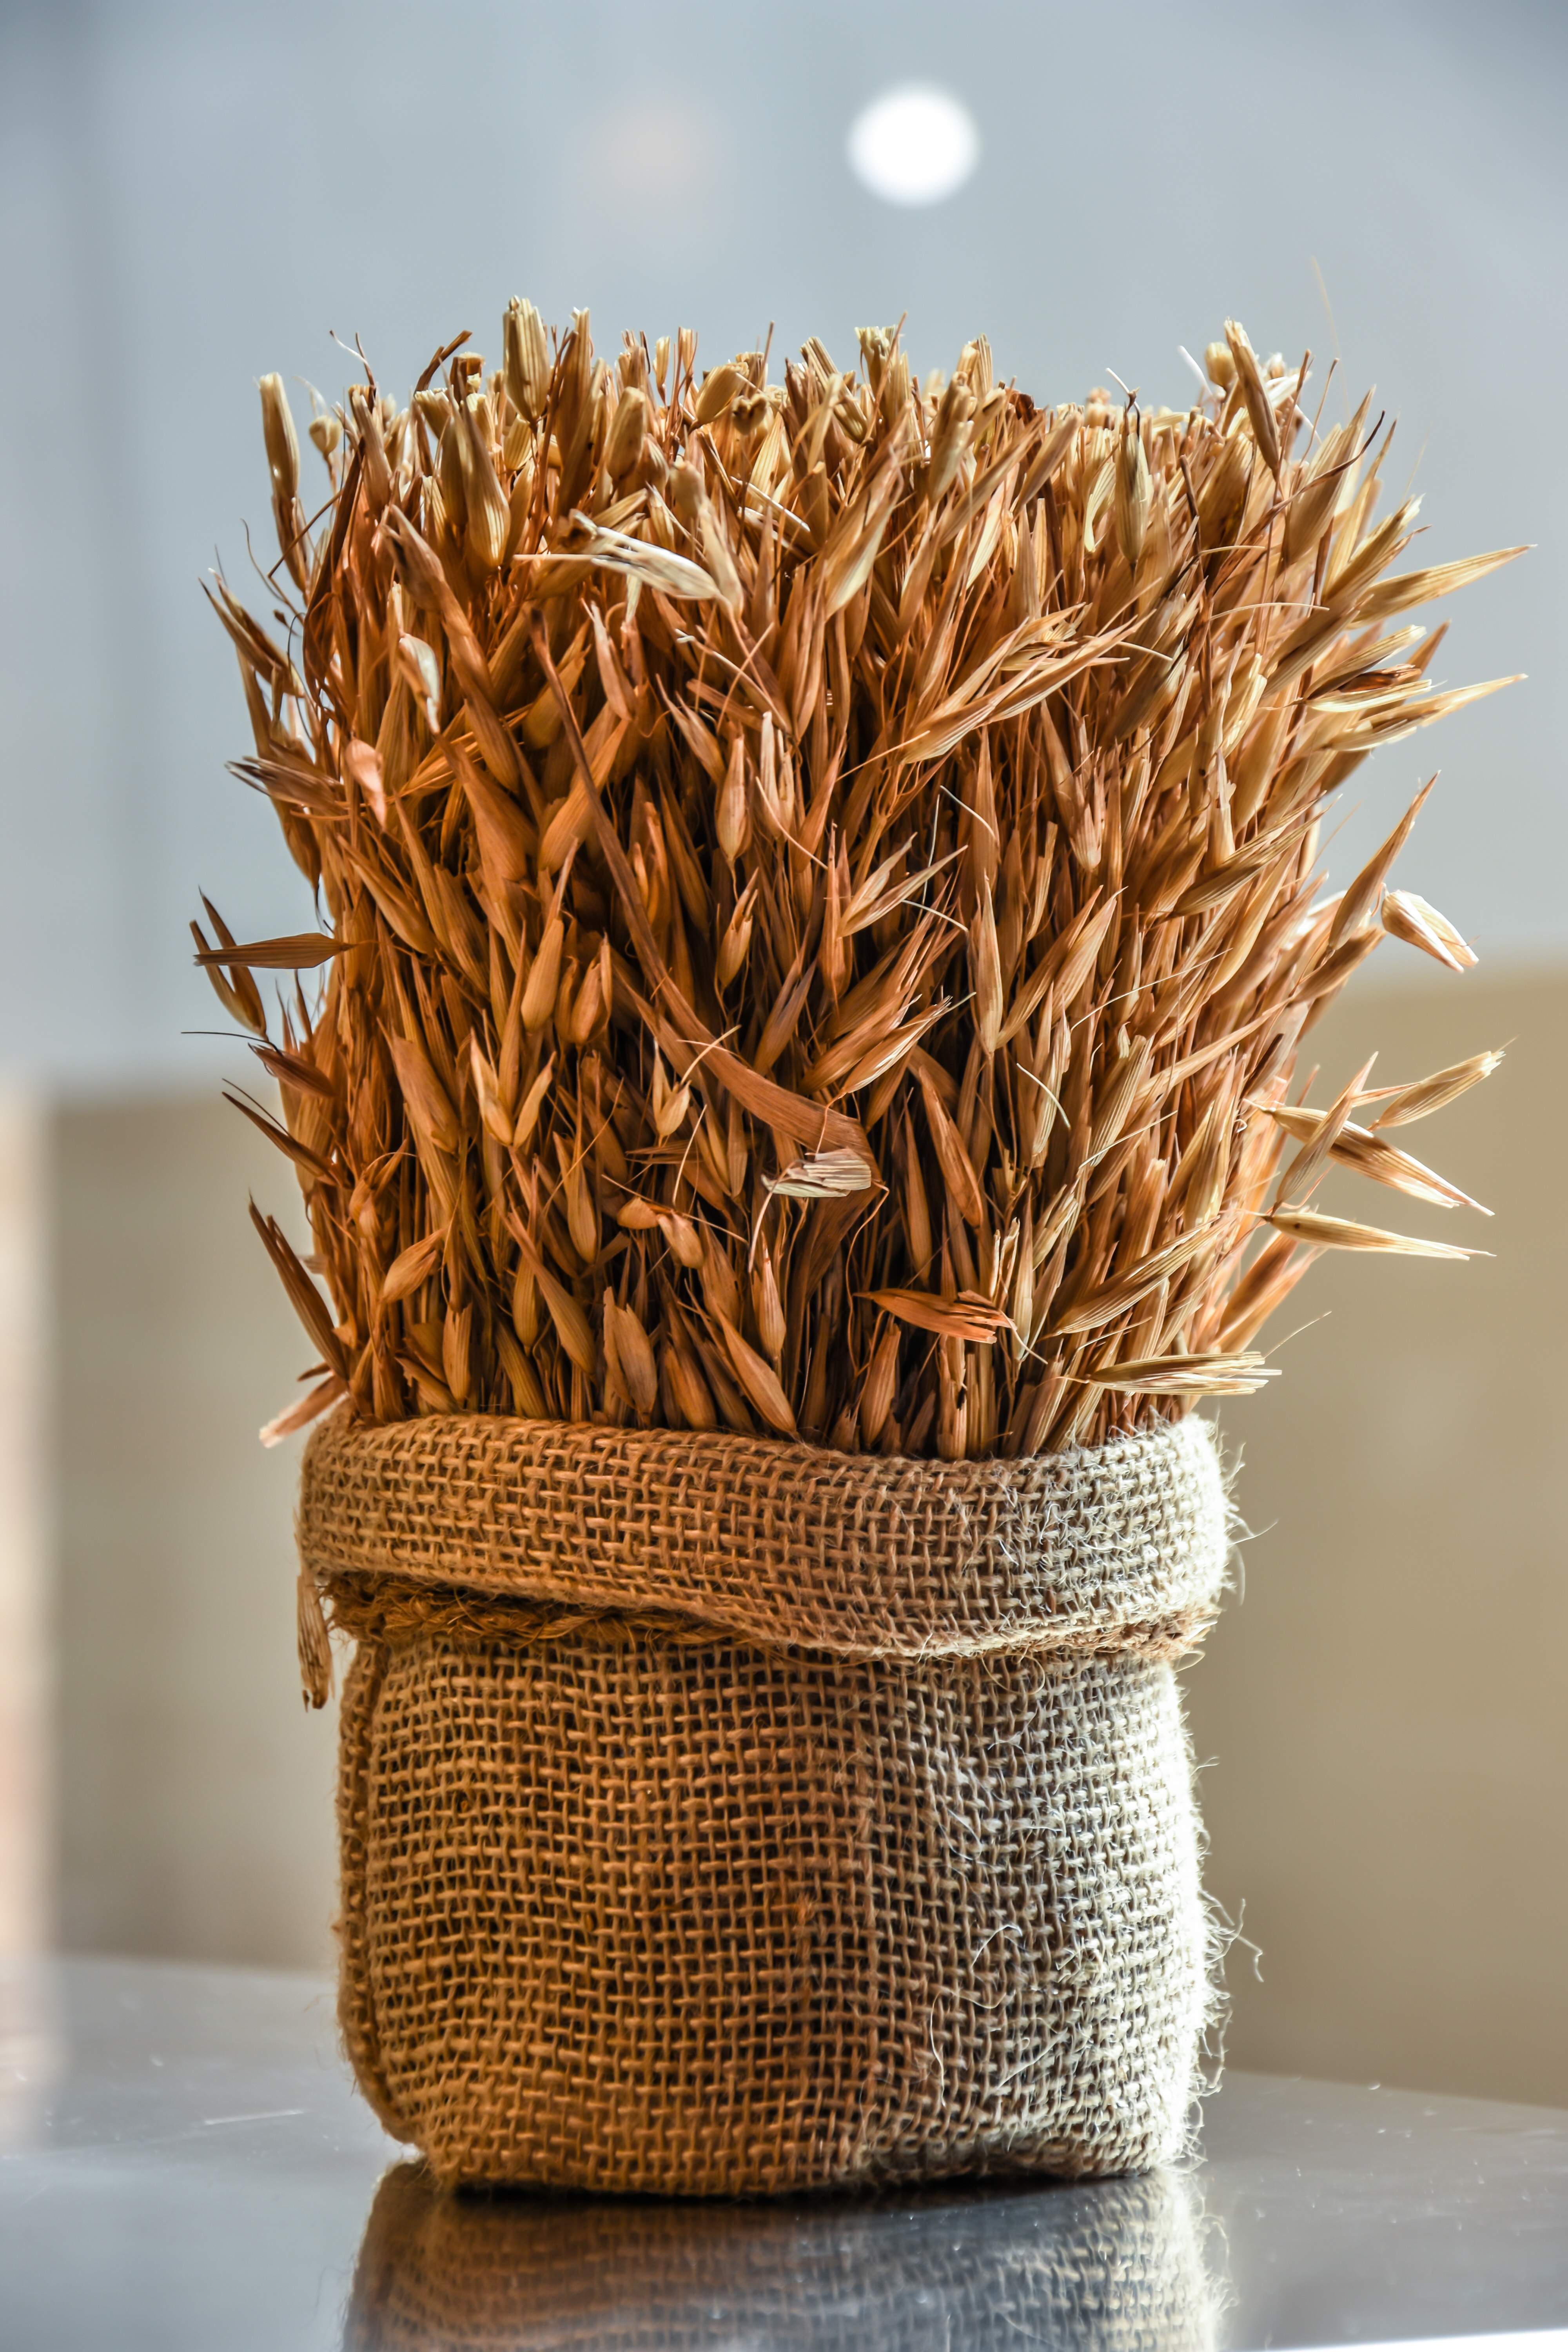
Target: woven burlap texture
x,y
688,1847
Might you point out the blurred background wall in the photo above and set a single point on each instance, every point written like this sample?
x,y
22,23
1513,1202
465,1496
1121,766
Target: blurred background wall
x,y
190,195
1380,1715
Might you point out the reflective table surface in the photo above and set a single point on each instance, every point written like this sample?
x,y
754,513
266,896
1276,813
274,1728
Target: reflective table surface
x,y
183,2163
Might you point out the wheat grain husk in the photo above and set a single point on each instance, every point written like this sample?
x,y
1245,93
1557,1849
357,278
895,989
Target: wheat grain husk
x,y
707,779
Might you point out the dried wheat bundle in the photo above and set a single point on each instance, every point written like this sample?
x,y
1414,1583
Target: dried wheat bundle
x,y
821,884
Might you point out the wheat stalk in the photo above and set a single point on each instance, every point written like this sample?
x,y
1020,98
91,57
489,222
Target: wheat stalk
x,y
820,886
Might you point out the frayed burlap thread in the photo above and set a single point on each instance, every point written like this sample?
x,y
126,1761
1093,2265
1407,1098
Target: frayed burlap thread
x,y
688,1847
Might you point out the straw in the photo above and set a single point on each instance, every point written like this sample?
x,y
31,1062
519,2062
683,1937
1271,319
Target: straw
x,y
817,887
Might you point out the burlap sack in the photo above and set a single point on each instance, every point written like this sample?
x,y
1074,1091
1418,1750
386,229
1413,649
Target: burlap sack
x,y
721,1817
1118,2266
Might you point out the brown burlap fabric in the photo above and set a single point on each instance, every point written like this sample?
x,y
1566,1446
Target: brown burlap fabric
x,y
1118,2266
689,1845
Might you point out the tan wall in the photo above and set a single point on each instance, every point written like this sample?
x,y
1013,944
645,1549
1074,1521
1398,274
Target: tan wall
x,y
27,1921
1387,1709
193,1791
1384,1711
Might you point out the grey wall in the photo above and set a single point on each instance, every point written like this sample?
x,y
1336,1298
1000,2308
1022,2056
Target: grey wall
x,y
192,193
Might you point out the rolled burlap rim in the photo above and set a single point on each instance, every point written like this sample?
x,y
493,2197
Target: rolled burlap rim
x,y
783,1545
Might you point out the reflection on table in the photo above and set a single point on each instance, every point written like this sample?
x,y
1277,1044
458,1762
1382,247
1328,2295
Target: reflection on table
x,y
1113,2266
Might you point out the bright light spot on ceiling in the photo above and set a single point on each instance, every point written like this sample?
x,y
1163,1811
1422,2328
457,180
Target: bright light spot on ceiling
x,y
913,146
